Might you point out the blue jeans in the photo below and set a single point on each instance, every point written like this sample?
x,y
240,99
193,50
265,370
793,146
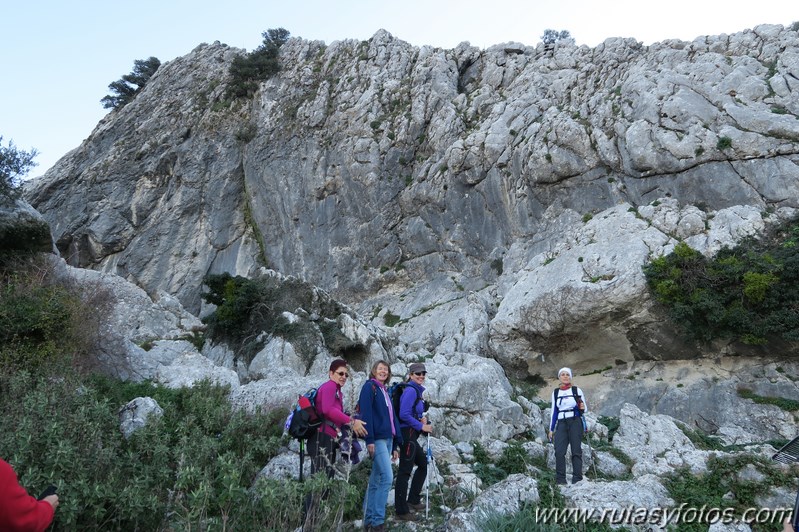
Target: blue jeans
x,y
374,506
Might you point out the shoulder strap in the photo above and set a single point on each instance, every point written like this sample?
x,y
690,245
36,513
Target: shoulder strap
x,y
418,396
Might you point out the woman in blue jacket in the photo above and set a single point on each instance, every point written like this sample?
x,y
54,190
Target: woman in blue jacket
x,y
383,440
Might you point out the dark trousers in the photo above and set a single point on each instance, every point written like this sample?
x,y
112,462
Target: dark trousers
x,y
322,450
411,455
569,433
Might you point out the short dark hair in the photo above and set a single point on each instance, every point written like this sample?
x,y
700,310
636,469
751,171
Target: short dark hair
x,y
338,363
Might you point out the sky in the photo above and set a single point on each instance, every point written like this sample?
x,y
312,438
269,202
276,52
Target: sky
x,y
60,56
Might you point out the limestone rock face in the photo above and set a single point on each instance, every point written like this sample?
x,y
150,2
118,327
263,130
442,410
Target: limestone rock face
x,y
498,202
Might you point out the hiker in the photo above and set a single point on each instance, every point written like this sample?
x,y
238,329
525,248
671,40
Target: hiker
x,y
322,446
383,441
20,511
568,407
412,424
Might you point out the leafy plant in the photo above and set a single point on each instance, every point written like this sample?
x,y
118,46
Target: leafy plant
x,y
391,319
197,463
514,459
788,405
128,86
748,293
249,70
44,319
724,143
14,163
550,37
247,308
722,487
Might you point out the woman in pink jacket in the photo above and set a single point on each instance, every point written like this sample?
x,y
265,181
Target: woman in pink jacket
x,y
323,446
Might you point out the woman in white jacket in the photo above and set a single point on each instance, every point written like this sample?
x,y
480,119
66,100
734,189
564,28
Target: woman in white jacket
x,y
568,407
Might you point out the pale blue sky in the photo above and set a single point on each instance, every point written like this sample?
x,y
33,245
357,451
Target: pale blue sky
x,y
59,57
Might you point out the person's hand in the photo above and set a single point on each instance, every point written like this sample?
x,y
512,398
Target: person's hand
x,y
371,449
423,420
549,435
395,456
787,526
359,428
53,500
428,428
582,406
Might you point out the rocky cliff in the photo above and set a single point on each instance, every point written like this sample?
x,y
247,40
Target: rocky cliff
x,y
494,202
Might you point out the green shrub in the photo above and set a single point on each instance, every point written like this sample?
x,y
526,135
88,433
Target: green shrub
x,y
44,319
391,319
197,464
612,423
246,308
788,405
247,71
514,459
721,486
724,143
749,293
700,439
14,163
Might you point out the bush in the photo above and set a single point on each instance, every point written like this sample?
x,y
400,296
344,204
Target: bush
x,y
193,468
514,459
722,487
128,86
749,293
262,63
550,37
247,308
46,320
14,163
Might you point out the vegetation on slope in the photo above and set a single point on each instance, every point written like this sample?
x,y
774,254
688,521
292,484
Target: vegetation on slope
x,y
749,293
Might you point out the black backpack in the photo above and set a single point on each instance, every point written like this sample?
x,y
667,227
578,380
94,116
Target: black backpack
x,y
577,399
395,392
303,420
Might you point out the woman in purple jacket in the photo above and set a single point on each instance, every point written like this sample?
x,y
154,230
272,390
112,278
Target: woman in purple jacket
x,y
412,424
383,441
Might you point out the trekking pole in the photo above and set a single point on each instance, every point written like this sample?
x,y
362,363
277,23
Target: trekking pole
x,y
302,453
590,452
429,466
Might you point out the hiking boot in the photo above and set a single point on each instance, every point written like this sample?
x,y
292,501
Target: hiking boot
x,y
405,517
418,506
379,528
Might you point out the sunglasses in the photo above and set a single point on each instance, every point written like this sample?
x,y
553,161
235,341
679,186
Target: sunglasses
x,y
342,374
420,373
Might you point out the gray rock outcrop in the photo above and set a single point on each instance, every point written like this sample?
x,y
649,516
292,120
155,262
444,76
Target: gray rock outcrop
x,y
452,193
22,228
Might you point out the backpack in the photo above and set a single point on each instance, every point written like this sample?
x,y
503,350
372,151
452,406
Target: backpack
x,y
395,392
303,420
578,400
